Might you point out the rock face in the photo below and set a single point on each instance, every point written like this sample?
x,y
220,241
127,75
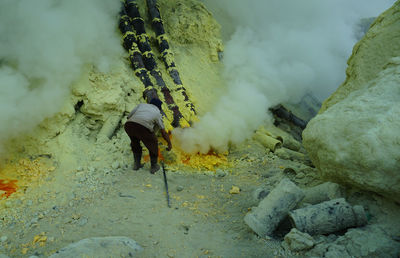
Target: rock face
x,y
370,55
355,139
186,26
369,241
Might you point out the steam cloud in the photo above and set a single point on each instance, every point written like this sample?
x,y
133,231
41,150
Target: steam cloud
x,y
44,45
277,51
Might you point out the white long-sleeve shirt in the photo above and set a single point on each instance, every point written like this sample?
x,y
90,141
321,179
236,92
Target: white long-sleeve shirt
x,y
147,115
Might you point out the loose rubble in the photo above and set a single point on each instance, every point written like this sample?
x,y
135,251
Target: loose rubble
x,y
100,247
296,241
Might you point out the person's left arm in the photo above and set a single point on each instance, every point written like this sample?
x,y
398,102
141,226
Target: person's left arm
x,y
164,134
166,138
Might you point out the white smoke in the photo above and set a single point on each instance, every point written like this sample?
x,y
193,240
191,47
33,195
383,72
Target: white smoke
x,y
277,51
44,45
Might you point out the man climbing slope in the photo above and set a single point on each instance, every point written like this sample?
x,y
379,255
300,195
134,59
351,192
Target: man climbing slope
x,y
142,123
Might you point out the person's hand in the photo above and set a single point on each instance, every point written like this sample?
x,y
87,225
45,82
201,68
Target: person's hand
x,y
169,147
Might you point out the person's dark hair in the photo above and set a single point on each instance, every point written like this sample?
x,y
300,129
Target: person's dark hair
x,y
156,102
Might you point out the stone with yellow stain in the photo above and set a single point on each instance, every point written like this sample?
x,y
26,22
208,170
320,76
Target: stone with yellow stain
x,y
234,190
76,216
41,239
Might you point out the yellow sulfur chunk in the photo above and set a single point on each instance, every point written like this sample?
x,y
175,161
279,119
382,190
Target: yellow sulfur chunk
x,y
234,190
183,123
36,238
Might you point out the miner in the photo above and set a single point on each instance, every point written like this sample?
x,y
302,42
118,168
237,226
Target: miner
x,y
144,120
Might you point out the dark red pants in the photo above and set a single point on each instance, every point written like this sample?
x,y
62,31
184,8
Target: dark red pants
x,y
137,133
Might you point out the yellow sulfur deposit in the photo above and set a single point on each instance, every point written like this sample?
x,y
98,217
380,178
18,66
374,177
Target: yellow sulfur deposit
x,y
28,169
234,190
129,33
177,157
40,239
183,123
207,161
24,172
199,161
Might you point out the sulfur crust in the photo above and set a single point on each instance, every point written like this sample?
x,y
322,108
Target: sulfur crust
x,y
128,33
169,58
134,49
157,20
162,37
137,18
148,54
183,106
143,37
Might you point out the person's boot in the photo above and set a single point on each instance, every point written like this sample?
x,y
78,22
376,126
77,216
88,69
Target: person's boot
x,y
137,158
154,165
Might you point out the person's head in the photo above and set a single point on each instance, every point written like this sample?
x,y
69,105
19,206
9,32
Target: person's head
x,y
156,102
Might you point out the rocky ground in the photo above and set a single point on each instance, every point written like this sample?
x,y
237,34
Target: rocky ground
x,y
205,218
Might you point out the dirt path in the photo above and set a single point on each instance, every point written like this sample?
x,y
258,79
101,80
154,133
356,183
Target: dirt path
x,y
102,198
205,219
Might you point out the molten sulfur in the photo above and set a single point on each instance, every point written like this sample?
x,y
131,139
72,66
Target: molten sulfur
x,y
8,187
